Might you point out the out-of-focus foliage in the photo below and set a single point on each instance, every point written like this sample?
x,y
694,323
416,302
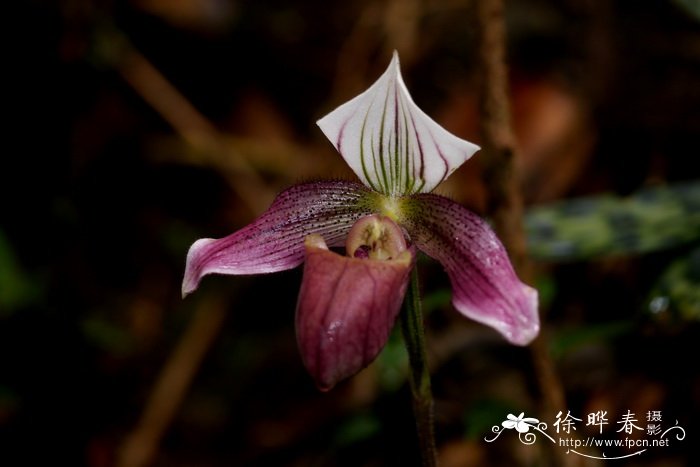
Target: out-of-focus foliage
x,y
654,219
676,295
107,336
17,289
691,6
568,340
392,364
485,413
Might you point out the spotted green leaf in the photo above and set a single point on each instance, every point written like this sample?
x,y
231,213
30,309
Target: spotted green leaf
x,y
650,220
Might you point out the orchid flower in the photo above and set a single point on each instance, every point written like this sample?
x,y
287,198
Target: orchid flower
x,y
348,303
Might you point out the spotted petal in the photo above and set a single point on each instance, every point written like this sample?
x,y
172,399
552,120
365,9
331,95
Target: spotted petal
x,y
484,286
275,241
346,309
391,144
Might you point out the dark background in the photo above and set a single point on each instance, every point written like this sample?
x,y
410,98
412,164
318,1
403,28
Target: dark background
x,y
109,175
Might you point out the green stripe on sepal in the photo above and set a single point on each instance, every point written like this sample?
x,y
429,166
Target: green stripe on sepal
x,y
410,152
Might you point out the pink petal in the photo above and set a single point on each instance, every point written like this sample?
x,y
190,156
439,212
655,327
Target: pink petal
x,y
484,285
275,241
346,309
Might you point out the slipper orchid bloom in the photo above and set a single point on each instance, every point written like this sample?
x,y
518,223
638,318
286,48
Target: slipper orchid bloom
x,y
348,304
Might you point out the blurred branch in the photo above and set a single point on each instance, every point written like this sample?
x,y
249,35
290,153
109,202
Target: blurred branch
x,y
382,26
172,385
284,162
113,47
505,203
160,94
402,26
354,55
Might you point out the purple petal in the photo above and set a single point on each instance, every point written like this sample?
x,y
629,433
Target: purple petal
x,y
346,309
484,285
275,241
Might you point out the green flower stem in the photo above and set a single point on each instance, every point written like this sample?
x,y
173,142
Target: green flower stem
x,y
414,337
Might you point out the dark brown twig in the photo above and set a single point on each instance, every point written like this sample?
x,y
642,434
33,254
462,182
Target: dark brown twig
x,y
172,385
500,173
193,127
505,203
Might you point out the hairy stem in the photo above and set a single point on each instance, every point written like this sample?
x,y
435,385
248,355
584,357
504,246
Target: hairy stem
x,y
414,337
